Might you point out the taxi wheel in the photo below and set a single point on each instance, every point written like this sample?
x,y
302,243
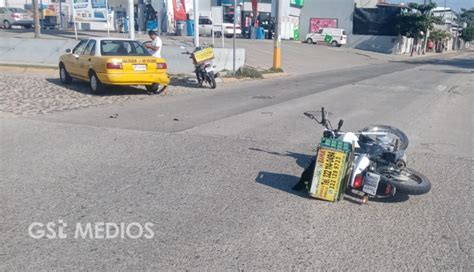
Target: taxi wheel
x,y
153,87
94,83
7,24
64,75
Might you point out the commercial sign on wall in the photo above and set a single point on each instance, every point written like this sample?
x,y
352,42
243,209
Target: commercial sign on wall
x,y
298,3
231,2
90,10
179,8
317,23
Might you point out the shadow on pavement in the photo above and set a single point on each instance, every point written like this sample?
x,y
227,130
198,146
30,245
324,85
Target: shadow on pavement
x,y
83,87
182,83
395,199
302,160
281,182
449,71
456,62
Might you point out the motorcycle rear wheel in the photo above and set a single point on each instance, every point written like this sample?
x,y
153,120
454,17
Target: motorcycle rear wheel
x,y
406,180
393,133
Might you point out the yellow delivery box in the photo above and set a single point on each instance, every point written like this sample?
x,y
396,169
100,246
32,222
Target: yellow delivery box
x,y
330,170
203,55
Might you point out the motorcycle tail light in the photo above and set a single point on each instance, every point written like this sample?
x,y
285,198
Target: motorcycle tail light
x,y
161,65
114,65
388,189
358,182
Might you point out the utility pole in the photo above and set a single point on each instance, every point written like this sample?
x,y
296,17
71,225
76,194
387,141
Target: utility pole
x,y
131,20
427,33
159,18
60,16
36,18
233,38
277,39
196,23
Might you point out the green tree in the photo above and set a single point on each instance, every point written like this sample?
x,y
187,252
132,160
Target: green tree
x,y
415,20
439,35
467,16
467,34
466,19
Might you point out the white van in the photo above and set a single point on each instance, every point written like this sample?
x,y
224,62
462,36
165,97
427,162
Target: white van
x,y
337,36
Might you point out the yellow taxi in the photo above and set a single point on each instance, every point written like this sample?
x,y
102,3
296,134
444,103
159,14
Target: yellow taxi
x,y
112,61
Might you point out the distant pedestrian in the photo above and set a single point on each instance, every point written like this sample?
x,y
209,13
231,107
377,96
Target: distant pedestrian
x,y
156,44
430,46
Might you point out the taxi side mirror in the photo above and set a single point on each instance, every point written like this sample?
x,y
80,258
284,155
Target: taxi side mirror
x,y
68,50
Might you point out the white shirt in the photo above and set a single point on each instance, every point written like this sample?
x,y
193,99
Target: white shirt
x,y
156,42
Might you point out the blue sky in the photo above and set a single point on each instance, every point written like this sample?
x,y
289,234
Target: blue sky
x,y
454,4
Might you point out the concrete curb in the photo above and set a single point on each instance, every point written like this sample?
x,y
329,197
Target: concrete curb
x,y
29,65
28,69
274,75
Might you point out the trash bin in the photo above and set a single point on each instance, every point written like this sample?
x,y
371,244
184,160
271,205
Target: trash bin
x,y
151,25
190,27
180,28
260,33
125,25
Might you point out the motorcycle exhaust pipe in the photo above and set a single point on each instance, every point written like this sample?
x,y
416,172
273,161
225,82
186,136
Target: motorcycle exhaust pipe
x,y
356,197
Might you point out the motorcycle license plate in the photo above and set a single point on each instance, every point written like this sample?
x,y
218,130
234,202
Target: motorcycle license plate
x,y
139,67
371,183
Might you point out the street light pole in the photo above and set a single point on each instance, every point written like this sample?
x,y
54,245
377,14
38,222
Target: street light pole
x,y
131,20
196,23
277,39
233,38
36,18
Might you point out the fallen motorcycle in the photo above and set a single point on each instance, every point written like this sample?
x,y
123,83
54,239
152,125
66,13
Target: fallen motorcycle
x,y
371,163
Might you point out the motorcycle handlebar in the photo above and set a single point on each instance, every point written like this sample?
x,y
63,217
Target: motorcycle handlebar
x,y
307,114
323,115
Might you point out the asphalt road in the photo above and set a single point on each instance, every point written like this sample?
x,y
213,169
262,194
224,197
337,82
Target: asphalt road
x,y
213,171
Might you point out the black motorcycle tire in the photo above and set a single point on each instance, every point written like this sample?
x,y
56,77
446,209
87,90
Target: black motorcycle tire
x,y
417,184
403,144
212,80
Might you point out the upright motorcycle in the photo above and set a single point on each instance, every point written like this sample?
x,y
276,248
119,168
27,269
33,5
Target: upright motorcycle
x,y
379,165
203,68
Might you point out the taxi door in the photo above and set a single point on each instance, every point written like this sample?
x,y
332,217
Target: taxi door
x,y
86,58
72,60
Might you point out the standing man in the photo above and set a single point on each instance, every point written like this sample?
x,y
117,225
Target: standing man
x,y
156,44
155,51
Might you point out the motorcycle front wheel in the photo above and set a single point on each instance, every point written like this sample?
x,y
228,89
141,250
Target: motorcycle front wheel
x,y
387,136
212,80
406,180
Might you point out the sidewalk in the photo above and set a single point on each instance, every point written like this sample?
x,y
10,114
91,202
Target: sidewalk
x,y
297,57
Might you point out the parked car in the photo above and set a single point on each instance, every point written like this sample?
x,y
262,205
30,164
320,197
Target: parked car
x,y
113,61
229,30
333,36
206,27
15,17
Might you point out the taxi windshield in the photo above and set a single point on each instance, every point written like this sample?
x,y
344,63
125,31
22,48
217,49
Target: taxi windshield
x,y
122,48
